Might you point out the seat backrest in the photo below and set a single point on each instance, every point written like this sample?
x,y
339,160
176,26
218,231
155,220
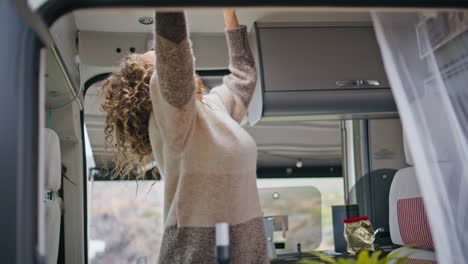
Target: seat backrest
x,y
408,220
53,177
53,161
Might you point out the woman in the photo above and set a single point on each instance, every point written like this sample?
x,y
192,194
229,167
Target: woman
x,y
207,161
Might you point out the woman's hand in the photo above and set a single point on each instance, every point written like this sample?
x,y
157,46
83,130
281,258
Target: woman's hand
x,y
230,19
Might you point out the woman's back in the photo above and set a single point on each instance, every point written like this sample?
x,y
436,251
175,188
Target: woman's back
x,y
208,162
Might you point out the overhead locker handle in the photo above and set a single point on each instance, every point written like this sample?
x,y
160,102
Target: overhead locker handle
x,y
357,83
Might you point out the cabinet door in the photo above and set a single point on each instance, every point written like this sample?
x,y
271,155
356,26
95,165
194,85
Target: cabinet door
x,y
316,58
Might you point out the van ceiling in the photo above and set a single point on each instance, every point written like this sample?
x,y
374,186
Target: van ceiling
x,y
205,20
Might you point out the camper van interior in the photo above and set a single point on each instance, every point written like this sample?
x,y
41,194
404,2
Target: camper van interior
x,y
326,116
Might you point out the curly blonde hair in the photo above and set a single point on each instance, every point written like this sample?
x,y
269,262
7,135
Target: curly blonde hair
x,y
128,107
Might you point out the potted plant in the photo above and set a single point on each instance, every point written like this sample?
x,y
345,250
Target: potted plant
x,y
364,257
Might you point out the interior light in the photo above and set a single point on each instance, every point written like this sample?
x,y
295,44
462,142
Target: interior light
x,y
146,20
276,195
299,163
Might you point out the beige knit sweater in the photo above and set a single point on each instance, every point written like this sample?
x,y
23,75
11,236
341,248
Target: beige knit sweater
x,y
207,161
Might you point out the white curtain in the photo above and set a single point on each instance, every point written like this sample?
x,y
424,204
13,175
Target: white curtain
x,y
426,59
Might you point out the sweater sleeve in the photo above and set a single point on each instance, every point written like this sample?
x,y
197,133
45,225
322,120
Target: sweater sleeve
x,y
172,86
174,59
238,87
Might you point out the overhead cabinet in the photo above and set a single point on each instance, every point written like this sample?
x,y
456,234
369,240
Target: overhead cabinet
x,y
320,69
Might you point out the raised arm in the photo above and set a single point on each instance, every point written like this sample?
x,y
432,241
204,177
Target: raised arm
x,y
230,19
243,77
174,59
172,86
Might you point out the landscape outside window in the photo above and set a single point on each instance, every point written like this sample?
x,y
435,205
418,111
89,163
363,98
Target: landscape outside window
x,y
126,217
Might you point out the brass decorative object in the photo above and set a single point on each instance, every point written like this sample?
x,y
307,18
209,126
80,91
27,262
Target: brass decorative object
x,y
359,234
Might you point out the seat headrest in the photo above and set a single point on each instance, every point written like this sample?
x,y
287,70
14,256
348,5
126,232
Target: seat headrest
x,y
53,162
408,219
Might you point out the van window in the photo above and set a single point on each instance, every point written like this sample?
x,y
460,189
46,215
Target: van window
x,y
125,221
126,218
307,203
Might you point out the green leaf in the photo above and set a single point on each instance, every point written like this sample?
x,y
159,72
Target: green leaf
x,y
375,257
393,254
384,260
363,257
402,260
398,251
343,261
